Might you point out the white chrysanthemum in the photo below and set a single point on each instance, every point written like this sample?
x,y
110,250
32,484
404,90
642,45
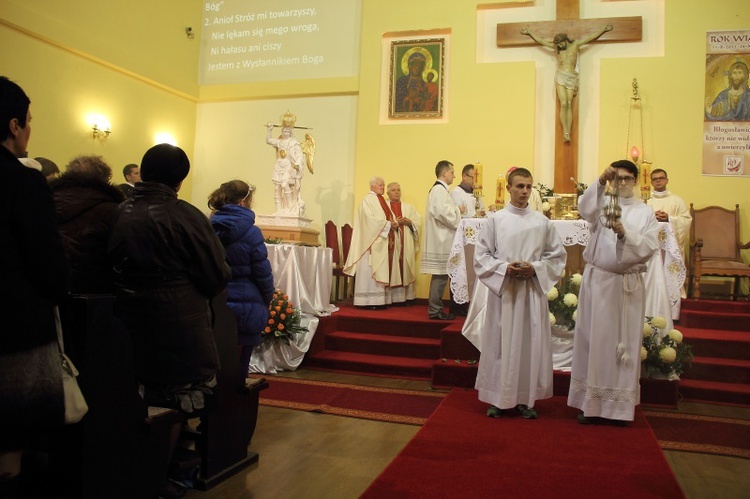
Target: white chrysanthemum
x,y
570,299
553,294
575,314
545,206
659,322
552,319
576,279
644,353
676,336
646,329
668,355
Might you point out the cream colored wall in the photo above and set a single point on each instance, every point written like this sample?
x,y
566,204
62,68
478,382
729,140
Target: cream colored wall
x,y
491,108
64,58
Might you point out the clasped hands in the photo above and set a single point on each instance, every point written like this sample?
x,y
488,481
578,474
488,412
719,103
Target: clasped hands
x,y
520,270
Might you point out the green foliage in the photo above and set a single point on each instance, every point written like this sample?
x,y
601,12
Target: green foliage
x,y
544,190
274,240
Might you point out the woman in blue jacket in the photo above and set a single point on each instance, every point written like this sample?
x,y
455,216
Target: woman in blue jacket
x,y
251,287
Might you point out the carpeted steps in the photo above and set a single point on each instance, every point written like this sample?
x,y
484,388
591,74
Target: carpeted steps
x,y
397,341
719,334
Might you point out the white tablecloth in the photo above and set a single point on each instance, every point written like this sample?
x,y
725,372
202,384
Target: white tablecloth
x,y
571,232
305,274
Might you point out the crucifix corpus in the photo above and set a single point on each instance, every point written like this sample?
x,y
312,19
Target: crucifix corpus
x,y
566,35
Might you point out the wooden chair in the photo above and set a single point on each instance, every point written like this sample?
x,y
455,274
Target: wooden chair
x,y
715,247
332,241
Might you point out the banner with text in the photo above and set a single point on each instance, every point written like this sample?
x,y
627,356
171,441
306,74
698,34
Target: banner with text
x,y
726,115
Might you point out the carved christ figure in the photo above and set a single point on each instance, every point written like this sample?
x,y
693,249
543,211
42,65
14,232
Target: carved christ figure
x,y
566,76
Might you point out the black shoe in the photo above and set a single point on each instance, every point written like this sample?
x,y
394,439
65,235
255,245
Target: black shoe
x,y
584,420
442,316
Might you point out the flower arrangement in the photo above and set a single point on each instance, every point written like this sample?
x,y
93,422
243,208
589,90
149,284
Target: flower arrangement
x,y
580,186
563,302
283,321
544,191
668,354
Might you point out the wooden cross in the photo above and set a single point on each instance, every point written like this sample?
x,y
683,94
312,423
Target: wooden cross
x,y
626,29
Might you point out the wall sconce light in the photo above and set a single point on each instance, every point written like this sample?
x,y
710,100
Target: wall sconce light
x,y
100,127
99,133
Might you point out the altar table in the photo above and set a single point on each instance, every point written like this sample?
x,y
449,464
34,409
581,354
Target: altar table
x,y
305,274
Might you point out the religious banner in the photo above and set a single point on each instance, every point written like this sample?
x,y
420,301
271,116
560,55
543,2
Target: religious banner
x,y
726,121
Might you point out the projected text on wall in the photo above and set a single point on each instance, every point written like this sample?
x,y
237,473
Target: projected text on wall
x,y
252,40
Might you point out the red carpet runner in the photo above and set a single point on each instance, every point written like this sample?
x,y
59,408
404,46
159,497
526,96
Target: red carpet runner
x,y
382,404
462,452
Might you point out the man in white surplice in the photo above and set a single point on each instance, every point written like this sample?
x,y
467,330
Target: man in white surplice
x,y
441,219
607,341
670,208
519,256
409,222
375,244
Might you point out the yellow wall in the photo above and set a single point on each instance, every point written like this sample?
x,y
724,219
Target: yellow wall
x,y
490,106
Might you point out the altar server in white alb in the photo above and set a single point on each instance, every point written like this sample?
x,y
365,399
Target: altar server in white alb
x,y
409,223
375,244
441,220
670,208
519,256
607,341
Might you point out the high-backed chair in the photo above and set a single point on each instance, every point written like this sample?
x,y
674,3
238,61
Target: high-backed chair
x,y
715,247
332,241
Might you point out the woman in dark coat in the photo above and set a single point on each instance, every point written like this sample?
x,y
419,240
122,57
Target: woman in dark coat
x,y
251,287
168,265
85,204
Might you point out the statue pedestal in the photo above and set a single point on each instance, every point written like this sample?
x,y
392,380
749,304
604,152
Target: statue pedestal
x,y
290,229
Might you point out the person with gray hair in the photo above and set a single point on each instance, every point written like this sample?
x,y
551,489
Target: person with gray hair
x,y
85,205
374,251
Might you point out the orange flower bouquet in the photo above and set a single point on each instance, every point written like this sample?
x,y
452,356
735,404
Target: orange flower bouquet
x,y
283,321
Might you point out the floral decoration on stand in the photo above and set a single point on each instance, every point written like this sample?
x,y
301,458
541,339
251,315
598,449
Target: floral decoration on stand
x,y
563,302
664,355
580,186
284,321
546,193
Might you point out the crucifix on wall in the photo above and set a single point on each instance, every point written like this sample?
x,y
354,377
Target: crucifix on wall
x,y
566,35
